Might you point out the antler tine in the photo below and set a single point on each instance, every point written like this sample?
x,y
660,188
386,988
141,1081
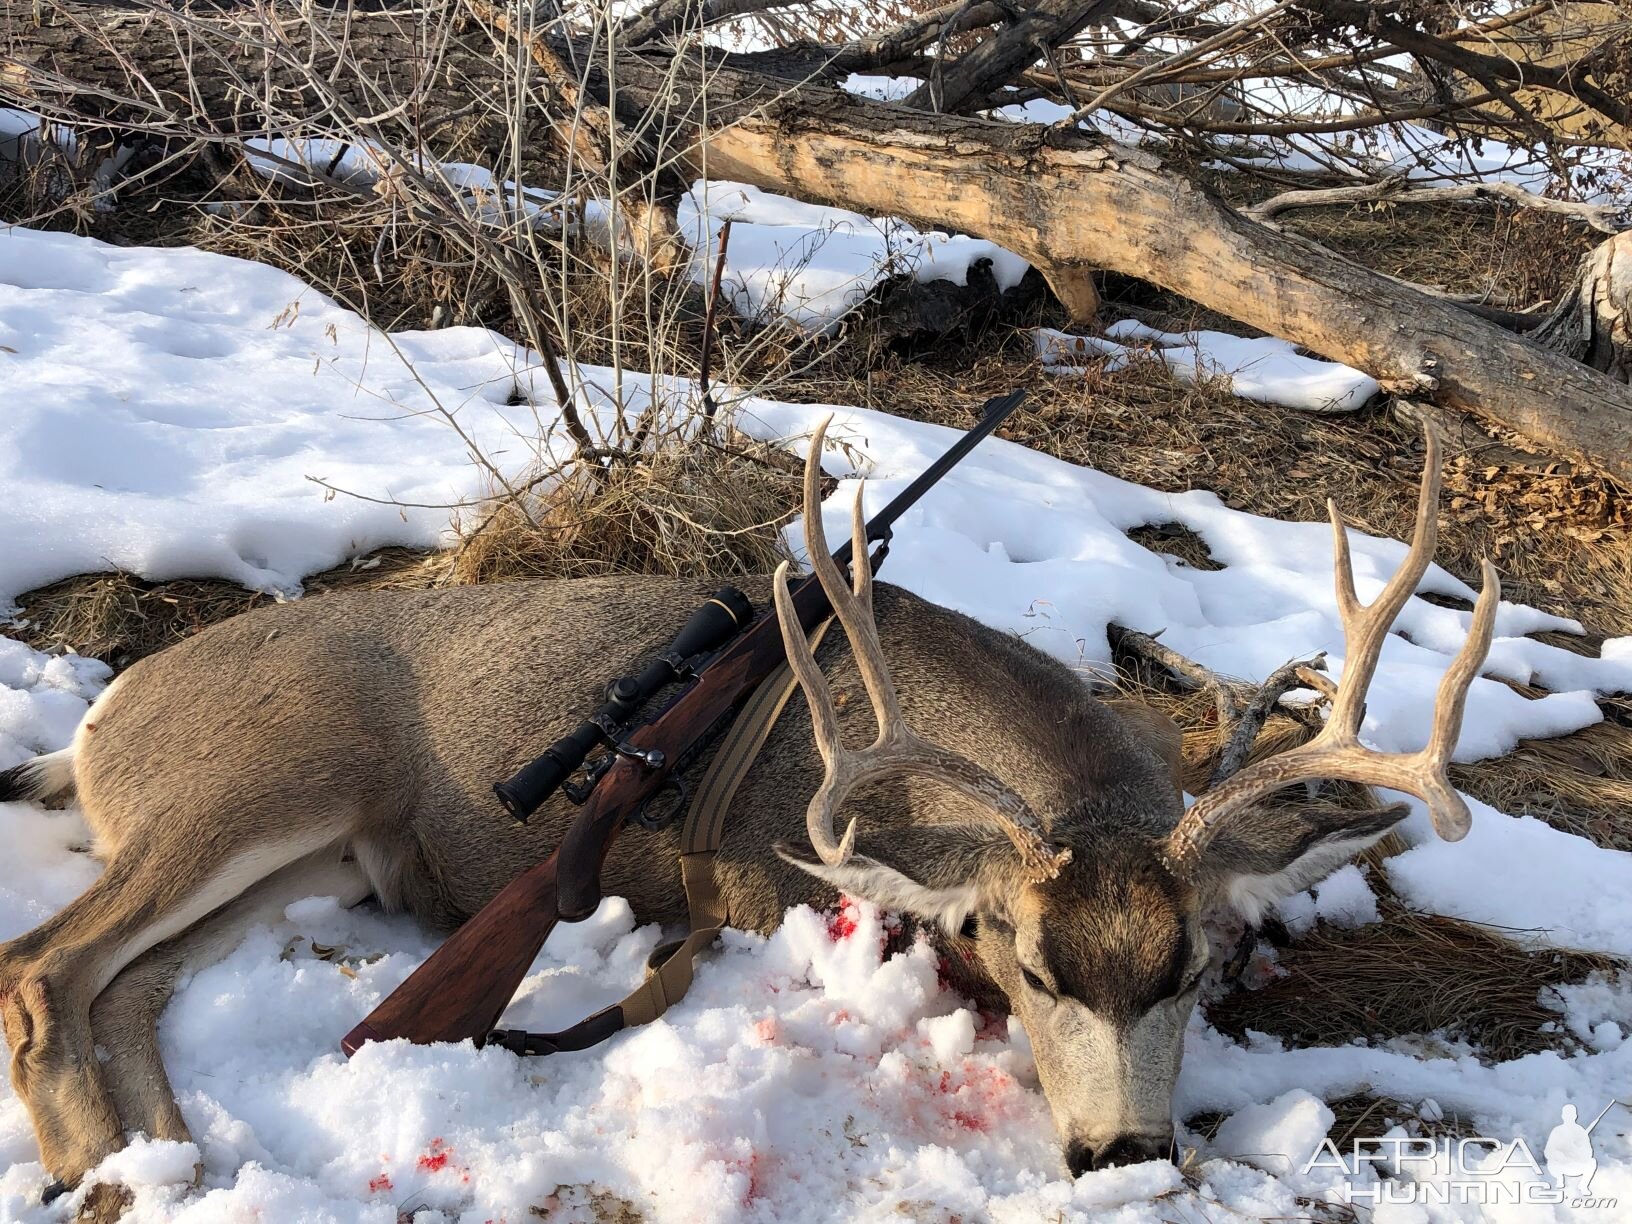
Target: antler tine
x,y
1337,751
1449,810
824,724
853,605
1366,626
898,749
824,718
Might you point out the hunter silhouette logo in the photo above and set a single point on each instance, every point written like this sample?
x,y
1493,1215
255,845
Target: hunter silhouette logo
x,y
1569,1151
1481,1170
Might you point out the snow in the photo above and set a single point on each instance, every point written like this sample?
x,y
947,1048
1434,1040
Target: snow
x,y
1269,370
18,128
1345,899
1278,1135
811,264
42,699
218,388
809,1075
1555,890
1342,899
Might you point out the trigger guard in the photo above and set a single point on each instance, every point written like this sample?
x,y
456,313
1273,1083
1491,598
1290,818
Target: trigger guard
x,y
670,796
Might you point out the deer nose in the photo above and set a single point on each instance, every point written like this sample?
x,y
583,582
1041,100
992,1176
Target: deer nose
x,y
1122,1150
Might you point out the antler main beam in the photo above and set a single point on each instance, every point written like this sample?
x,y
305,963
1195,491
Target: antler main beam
x,y
898,749
1337,751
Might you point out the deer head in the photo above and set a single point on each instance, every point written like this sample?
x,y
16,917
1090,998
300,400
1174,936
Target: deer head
x,y
1089,918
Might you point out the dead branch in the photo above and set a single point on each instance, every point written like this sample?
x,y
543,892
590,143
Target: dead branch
x,y
996,61
1281,681
1605,218
1068,201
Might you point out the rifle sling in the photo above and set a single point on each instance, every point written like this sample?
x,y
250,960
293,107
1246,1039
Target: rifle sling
x,y
669,969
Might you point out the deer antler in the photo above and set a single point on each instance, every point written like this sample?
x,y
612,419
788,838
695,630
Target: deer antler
x,y
898,749
1337,752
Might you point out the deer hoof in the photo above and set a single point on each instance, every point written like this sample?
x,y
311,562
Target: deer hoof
x,y
104,1204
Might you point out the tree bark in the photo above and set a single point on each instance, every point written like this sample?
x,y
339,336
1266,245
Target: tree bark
x,y
1592,323
1066,200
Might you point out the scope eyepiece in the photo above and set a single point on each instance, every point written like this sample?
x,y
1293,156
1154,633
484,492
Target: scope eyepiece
x,y
526,790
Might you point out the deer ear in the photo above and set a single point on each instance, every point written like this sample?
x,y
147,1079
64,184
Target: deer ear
x,y
1155,730
1253,863
959,868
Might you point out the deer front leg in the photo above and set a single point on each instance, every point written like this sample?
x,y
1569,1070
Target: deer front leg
x,y
55,1071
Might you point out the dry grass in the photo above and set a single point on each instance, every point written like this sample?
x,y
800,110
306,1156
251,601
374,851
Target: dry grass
x,y
397,277
120,618
1412,973
1175,540
604,1206
694,508
1518,255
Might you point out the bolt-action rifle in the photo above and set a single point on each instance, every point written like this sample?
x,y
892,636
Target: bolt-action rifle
x,y
459,993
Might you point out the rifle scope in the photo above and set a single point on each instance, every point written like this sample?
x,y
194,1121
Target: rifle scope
x,y
709,628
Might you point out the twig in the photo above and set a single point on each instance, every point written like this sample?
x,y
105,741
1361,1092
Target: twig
x,y
1221,39
1185,670
709,407
1281,681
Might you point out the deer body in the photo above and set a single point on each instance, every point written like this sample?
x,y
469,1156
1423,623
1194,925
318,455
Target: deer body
x,y
348,745
373,726
379,722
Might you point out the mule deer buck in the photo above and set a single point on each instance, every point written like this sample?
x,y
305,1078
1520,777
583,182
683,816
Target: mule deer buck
x,y
346,746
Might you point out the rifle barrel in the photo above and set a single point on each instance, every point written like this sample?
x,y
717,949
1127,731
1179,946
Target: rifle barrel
x,y
993,413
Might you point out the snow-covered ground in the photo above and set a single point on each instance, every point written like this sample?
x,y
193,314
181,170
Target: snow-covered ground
x,y
163,411
1265,369
811,264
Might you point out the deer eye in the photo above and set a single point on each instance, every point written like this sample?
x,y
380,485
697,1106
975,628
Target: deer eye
x,y
1035,982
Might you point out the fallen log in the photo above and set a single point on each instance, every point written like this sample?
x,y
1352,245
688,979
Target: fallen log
x,y
1068,201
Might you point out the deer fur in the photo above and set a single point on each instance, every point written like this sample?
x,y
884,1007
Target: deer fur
x,y
348,744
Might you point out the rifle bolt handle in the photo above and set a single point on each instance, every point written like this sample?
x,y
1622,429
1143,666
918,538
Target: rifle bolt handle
x,y
652,758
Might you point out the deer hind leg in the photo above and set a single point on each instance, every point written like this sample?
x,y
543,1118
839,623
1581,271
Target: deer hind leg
x,y
50,977
125,1016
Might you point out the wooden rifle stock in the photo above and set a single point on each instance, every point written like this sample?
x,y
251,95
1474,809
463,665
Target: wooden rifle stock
x,y
460,992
